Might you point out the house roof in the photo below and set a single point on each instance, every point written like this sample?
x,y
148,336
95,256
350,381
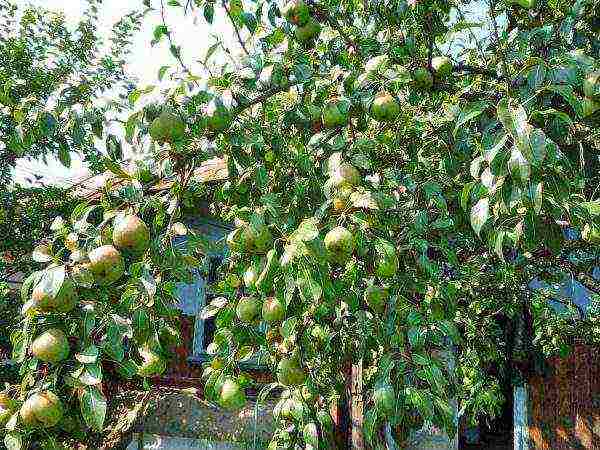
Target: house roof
x,y
90,187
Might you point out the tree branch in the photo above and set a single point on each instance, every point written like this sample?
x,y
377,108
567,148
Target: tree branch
x,y
174,49
478,70
235,27
334,24
265,96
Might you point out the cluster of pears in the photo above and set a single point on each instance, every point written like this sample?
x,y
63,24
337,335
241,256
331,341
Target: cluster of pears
x,y
441,68
297,13
41,409
169,127
106,262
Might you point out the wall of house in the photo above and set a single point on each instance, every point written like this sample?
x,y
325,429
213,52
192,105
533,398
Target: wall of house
x,y
563,409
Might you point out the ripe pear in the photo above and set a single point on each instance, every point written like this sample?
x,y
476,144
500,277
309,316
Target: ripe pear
x,y
167,127
422,78
232,396
289,372
219,120
43,410
257,238
106,264
334,114
442,66
345,175
248,309
131,233
384,107
339,244
309,31
7,406
51,346
384,398
273,310
296,12
251,275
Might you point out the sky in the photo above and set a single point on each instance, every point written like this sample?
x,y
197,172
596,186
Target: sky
x,y
190,31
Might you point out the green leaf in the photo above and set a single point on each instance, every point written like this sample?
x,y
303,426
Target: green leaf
x,y
115,168
288,327
513,117
311,437
535,194
91,375
469,112
114,147
93,407
209,12
480,213
63,155
518,166
141,324
465,194
211,50
249,20
160,31
566,92
88,356
162,71
498,243
309,289
592,208
52,280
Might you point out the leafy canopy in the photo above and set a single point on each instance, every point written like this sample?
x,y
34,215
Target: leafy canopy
x,y
394,204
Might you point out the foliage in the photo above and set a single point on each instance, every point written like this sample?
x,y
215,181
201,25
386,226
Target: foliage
x,y
451,204
50,82
25,218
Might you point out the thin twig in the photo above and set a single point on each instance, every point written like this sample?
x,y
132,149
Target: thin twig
x,y
264,96
335,25
237,31
174,49
499,46
477,42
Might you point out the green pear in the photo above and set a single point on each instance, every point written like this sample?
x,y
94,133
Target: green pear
x,y
51,346
106,264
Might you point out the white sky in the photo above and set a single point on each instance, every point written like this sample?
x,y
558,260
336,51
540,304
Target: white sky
x,y
191,32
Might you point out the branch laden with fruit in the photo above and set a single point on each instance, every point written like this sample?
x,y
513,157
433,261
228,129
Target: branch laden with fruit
x,y
393,193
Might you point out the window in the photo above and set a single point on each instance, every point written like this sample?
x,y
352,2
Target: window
x,y
193,297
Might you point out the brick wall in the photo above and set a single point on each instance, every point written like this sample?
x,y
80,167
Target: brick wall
x,y
564,408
